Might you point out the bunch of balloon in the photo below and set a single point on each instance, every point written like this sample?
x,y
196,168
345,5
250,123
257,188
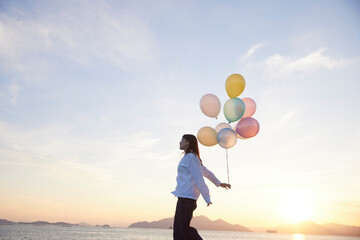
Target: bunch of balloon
x,y
236,110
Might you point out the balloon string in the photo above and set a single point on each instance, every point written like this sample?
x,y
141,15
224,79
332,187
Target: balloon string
x,y
227,166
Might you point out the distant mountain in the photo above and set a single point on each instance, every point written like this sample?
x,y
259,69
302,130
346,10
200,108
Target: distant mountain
x,y
308,227
6,222
64,224
344,229
203,223
36,223
39,223
163,223
83,224
305,228
199,222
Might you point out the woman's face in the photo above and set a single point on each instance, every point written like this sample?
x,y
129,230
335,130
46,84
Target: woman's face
x,y
184,144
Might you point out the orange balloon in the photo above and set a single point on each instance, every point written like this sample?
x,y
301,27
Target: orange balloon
x,y
207,136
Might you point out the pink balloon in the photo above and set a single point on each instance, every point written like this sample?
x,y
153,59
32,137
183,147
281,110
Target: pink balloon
x,y
247,127
210,105
234,128
250,107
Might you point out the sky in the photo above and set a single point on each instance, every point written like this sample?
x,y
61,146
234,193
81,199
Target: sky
x,y
96,95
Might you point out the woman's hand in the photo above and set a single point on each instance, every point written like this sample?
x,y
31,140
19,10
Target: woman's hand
x,y
225,185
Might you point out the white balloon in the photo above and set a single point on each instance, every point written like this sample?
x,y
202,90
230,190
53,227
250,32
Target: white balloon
x,y
226,138
210,105
221,126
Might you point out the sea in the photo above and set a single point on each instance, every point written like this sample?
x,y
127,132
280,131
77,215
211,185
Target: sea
x,y
52,232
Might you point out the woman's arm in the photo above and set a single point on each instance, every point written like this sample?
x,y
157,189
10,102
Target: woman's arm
x,y
209,175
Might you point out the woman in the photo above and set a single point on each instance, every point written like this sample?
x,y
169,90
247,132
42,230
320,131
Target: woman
x,y
190,183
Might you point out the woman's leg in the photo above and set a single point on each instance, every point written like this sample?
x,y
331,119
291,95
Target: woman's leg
x,y
183,216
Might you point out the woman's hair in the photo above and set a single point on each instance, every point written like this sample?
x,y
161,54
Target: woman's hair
x,y
193,145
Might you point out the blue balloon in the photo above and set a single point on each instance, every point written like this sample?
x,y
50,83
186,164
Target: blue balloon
x,y
226,138
234,109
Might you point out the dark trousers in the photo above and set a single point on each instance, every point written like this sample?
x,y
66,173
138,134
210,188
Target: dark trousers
x,y
183,215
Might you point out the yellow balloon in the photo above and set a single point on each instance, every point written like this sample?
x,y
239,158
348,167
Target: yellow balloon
x,y
207,136
234,85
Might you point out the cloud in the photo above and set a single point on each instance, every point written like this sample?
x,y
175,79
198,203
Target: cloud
x,y
66,143
36,43
50,164
252,50
14,90
278,65
98,155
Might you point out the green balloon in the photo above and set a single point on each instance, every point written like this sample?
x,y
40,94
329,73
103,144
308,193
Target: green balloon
x,y
234,109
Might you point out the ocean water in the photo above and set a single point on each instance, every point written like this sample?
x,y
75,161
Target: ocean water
x,y
51,232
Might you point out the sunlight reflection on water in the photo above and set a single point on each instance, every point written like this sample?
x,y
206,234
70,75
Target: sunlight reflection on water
x,y
50,232
298,237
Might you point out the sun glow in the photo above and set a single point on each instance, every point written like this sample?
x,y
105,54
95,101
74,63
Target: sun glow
x,y
298,237
296,208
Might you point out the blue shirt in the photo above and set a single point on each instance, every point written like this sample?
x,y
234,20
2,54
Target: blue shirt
x,y
190,180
